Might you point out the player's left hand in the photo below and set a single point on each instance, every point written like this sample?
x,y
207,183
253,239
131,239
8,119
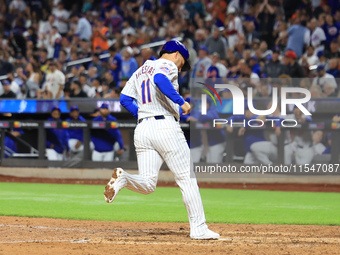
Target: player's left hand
x,y
186,108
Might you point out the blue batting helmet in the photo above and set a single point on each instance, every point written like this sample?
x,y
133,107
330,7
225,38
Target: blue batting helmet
x,y
173,46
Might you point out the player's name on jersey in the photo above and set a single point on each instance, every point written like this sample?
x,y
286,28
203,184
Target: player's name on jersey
x,y
145,69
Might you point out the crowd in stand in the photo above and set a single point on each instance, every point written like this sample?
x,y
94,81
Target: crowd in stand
x,y
226,39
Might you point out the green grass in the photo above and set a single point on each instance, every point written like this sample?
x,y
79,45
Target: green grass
x,y
86,202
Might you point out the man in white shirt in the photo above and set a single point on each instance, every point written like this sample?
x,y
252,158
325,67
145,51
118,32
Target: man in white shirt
x,y
322,78
53,38
62,16
17,5
84,29
318,37
55,81
222,70
234,27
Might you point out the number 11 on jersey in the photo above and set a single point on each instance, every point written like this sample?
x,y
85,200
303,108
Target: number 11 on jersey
x,y
147,91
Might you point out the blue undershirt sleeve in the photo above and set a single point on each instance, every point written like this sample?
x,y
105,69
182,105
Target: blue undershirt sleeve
x,y
129,104
166,87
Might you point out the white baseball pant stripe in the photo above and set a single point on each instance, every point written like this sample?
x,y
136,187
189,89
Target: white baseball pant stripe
x,y
163,140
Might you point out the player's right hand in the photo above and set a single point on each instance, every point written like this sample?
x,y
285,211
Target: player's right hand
x,y
186,108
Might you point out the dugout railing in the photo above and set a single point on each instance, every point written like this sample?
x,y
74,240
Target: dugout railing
x,y
40,160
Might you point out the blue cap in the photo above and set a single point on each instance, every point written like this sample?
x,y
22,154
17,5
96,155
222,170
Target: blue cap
x,y
253,57
188,99
56,108
204,48
173,46
320,68
6,82
320,53
104,106
74,108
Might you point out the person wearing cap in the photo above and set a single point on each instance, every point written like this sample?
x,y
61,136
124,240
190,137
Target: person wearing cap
x,y
55,81
75,135
129,63
203,62
292,68
7,92
322,78
215,43
274,68
254,65
100,35
151,96
108,143
56,139
234,27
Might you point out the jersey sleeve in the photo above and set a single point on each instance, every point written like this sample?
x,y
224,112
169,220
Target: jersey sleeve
x,y
169,69
130,90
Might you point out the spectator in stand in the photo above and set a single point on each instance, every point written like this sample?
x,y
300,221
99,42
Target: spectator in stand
x,y
115,64
251,33
97,63
62,17
113,20
54,43
56,139
17,6
322,78
331,29
107,143
100,35
14,86
97,90
84,85
222,70
234,27
318,37
274,68
309,58
45,28
83,29
75,135
215,43
255,66
5,67
202,64
334,68
328,91
333,51
265,15
76,90
293,69
129,63
55,82
7,92
109,80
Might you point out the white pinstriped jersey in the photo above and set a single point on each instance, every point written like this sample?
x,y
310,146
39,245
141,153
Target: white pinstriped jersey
x,y
151,101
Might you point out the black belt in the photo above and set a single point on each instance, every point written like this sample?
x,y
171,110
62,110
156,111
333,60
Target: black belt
x,y
158,117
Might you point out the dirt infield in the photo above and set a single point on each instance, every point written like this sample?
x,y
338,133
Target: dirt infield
x,y
54,236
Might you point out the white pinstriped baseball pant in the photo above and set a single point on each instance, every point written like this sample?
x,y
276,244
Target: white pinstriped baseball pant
x,y
163,140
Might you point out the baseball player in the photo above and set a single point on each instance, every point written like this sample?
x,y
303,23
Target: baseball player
x,y
151,96
75,135
105,140
56,139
